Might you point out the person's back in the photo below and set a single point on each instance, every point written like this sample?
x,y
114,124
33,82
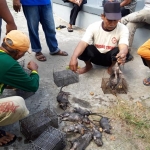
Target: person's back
x,y
12,75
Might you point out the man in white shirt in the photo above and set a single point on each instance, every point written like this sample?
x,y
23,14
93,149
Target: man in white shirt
x,y
103,41
137,20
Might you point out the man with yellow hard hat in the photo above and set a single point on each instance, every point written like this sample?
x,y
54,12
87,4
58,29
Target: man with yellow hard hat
x,y
12,109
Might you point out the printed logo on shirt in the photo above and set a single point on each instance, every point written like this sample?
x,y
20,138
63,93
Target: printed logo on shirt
x,y
104,47
114,40
8,107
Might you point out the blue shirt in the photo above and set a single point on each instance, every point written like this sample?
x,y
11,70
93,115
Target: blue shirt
x,y
35,2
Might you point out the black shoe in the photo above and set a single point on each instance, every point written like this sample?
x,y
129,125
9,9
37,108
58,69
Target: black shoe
x,y
129,57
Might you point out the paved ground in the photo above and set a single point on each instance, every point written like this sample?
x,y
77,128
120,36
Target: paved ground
x,y
134,73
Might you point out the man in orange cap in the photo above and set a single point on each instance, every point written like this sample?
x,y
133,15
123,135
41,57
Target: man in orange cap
x,y
12,109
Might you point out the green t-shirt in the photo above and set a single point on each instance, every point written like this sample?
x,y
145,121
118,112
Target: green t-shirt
x,y
12,74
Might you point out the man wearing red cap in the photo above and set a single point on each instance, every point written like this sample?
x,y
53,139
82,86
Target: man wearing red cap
x,y
12,109
103,42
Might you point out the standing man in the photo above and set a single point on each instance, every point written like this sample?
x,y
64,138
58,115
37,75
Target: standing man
x,y
13,108
137,20
7,17
36,11
103,41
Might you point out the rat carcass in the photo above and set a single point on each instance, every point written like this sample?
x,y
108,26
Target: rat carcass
x,y
62,99
116,77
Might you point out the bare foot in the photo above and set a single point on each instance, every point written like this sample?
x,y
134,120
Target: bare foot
x,y
84,69
6,138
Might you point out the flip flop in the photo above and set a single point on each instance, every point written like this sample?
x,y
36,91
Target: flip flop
x,y
40,57
2,134
70,29
62,53
60,27
146,81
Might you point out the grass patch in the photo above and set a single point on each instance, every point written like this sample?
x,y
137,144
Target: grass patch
x,y
135,117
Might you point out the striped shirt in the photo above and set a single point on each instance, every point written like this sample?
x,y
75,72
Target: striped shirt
x,y
131,6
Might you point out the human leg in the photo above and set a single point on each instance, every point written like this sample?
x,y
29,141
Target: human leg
x,y
132,29
73,15
139,16
32,16
12,109
124,12
48,25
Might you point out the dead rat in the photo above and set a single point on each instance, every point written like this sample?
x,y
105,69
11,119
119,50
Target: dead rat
x,y
104,123
74,117
62,99
84,112
81,142
116,77
80,128
97,136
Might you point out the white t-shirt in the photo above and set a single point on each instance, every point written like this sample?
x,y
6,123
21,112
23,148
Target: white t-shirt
x,y
103,40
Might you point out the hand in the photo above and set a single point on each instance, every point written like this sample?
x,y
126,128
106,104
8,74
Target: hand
x,y
17,5
32,66
73,65
121,58
10,27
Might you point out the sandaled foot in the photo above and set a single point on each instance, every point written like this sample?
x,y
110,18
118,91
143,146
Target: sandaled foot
x,y
61,53
6,138
146,81
40,57
70,29
84,69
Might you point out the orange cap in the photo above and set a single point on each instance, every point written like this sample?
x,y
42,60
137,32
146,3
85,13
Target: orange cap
x,y
16,39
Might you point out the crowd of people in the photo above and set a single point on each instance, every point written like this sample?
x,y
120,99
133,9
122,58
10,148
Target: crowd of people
x,y
104,42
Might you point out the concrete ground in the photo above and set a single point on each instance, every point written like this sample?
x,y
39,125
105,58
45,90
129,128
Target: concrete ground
x,y
134,73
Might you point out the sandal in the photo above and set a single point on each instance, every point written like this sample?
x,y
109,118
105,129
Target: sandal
x,y
62,53
60,27
70,29
4,134
40,57
146,81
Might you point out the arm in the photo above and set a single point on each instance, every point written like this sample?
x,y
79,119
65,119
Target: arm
x,y
6,16
144,50
77,52
125,2
17,5
121,56
18,78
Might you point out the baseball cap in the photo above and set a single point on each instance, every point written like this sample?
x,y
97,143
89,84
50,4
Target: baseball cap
x,y
112,10
16,39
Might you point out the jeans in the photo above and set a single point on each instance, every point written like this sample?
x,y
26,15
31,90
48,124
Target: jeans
x,y
44,15
0,27
136,20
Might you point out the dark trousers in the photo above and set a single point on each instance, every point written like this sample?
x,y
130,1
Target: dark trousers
x,y
74,13
92,54
146,62
124,12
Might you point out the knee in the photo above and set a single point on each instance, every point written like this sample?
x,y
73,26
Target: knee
x,y
21,107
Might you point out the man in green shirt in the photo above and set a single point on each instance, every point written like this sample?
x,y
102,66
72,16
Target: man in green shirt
x,y
12,109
